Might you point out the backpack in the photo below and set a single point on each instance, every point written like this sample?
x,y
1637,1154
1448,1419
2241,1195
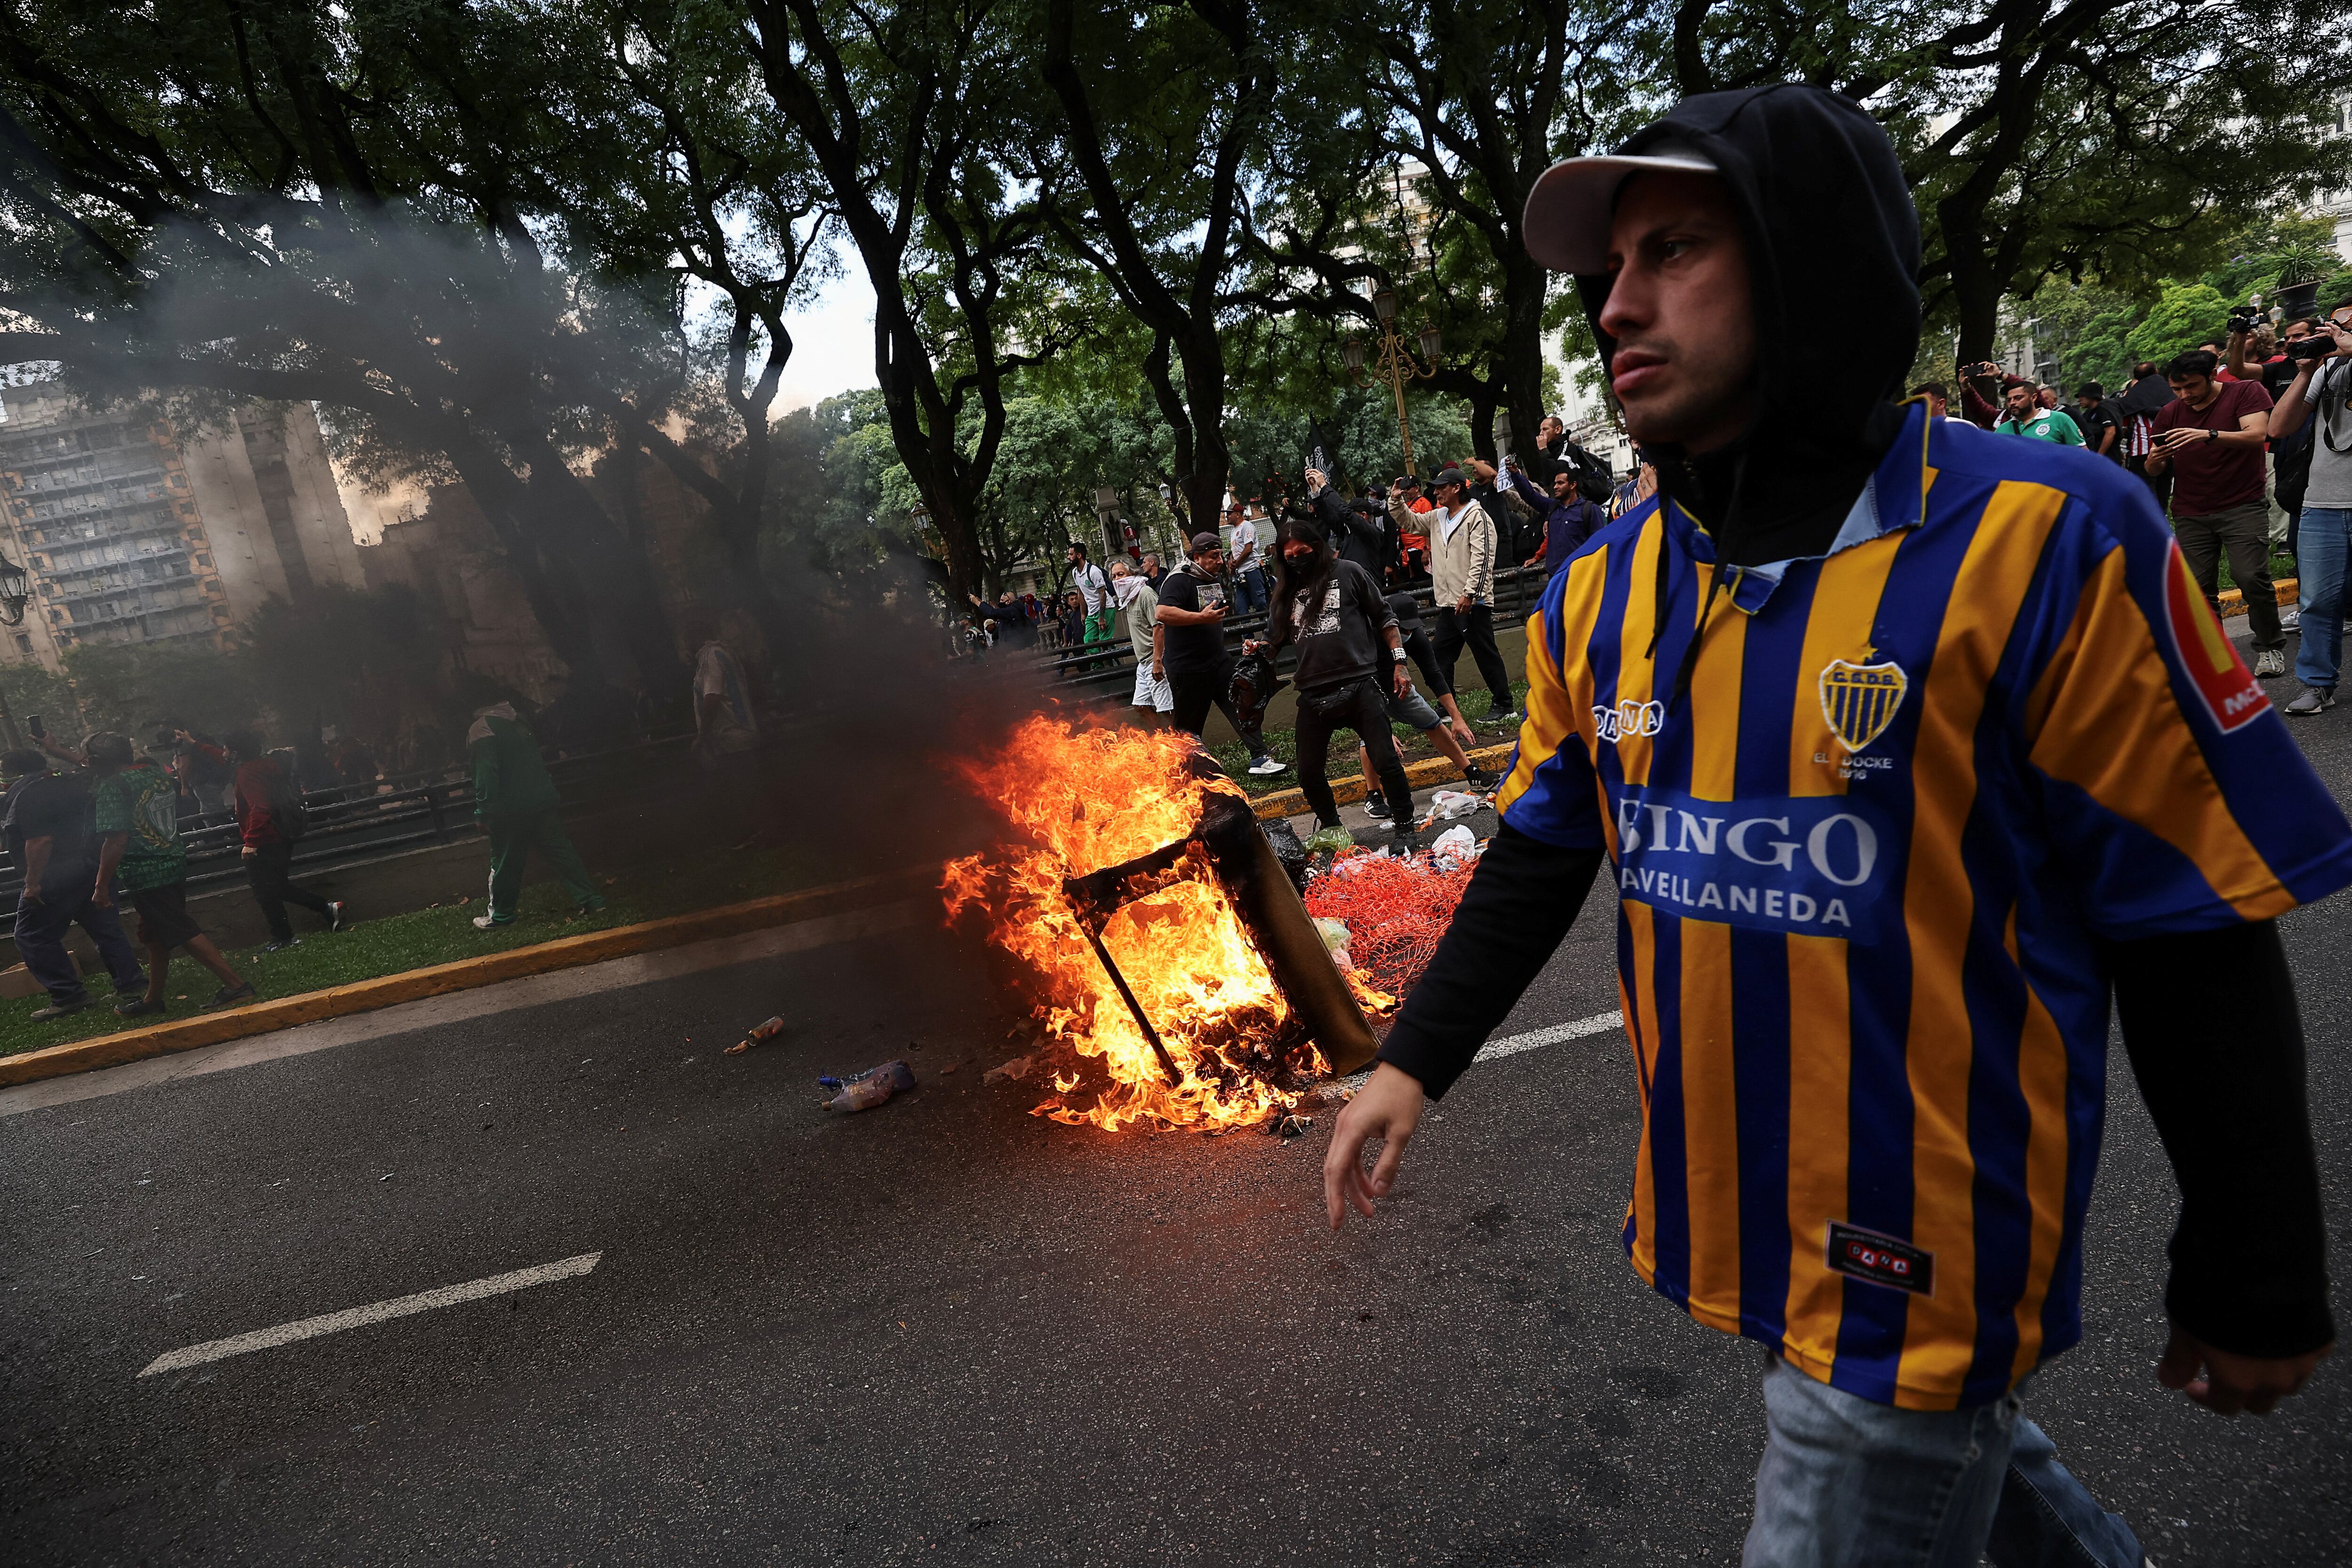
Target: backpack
x,y
287,812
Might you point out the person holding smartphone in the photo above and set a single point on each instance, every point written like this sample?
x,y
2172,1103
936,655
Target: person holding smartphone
x,y
2320,395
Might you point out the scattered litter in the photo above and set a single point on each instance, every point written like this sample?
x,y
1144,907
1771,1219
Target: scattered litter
x,y
869,1089
385,1177
1455,847
1331,840
949,1068
767,1031
1291,1126
1287,850
1014,1070
1449,804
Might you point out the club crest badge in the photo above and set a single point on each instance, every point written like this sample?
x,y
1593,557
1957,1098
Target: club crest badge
x,y
1859,700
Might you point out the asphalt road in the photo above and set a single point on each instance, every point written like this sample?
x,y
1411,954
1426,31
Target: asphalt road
x,y
949,1331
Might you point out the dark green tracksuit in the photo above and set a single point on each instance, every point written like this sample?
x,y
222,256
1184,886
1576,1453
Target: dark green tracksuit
x,y
517,801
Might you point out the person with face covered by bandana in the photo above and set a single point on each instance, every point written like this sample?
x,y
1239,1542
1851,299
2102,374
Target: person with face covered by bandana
x,y
1908,747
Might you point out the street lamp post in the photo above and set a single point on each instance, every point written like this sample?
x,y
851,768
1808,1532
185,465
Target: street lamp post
x,y
1394,362
16,592
1107,514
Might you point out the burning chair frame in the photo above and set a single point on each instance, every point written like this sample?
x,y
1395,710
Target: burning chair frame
x,y
1237,854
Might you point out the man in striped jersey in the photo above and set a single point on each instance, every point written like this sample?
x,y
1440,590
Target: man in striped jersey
x,y
1906,746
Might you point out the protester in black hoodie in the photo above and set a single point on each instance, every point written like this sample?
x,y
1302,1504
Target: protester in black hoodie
x,y
1888,829
1352,659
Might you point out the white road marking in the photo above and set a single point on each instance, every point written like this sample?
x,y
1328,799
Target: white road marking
x,y
360,1317
1508,1046
533,991
1534,1039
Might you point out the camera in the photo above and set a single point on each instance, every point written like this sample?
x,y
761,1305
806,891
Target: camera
x,y
35,728
2245,319
2319,345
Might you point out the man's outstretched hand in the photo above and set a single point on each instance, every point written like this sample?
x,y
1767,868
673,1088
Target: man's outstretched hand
x,y
1388,1108
2221,1381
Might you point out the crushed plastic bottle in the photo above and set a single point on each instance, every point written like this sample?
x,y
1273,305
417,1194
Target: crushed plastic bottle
x,y
869,1089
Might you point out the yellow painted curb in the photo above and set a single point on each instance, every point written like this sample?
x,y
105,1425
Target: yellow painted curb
x,y
2288,589
464,974
1349,790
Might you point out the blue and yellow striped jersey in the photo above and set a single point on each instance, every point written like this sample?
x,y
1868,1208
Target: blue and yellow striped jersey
x,y
1860,872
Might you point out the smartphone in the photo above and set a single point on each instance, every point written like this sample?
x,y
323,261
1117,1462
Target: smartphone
x,y
33,727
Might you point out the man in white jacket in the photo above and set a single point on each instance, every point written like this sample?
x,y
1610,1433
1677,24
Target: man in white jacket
x,y
1462,575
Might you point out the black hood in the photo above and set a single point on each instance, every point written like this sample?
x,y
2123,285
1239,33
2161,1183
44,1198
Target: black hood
x,y
1833,263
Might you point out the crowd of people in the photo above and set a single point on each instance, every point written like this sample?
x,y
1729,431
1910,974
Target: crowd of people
x,y
1335,576
2246,443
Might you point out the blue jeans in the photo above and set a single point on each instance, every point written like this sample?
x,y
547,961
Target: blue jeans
x,y
41,939
1847,1483
1249,592
2323,542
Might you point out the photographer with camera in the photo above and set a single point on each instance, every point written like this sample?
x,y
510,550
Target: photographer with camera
x,y
2249,358
2317,395
2211,436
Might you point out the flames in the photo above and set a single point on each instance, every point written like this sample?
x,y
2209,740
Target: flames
x,y
1084,799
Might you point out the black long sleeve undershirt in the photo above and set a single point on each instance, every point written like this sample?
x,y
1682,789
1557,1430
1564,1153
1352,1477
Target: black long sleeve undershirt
x,y
2210,1024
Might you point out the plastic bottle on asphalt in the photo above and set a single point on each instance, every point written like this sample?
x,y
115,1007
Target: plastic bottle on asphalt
x,y
871,1087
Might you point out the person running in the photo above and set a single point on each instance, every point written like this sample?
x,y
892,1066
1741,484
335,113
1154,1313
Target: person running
x,y
1909,745
516,800
1351,664
268,820
136,817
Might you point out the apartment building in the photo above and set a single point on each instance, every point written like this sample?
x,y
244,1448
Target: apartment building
x,y
134,532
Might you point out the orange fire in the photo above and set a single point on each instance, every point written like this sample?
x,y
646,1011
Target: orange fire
x,y
1085,799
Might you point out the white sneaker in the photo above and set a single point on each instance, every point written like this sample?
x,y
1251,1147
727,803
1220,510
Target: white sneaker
x,y
2314,698
2270,662
1266,767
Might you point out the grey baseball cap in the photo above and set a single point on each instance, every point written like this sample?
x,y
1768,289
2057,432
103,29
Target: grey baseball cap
x,y
1568,211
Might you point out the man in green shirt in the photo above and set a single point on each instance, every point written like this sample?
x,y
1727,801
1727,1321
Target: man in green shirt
x,y
137,811
2027,417
516,802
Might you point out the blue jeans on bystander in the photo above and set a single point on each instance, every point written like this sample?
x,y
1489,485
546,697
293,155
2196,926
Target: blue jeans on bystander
x,y
1249,592
1848,1483
2323,542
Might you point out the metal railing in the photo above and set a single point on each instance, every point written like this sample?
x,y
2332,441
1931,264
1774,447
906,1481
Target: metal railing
x,y
385,816
1107,669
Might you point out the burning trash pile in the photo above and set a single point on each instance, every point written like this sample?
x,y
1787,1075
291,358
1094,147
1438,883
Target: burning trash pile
x,y
1177,978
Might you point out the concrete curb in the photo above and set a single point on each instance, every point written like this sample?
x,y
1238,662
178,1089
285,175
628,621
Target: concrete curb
x,y
1349,790
2289,592
464,974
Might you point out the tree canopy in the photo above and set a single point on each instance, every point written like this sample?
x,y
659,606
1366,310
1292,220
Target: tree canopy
x,y
501,242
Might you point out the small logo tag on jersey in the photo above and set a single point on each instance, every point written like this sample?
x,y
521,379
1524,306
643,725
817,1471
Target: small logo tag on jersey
x,y
2228,689
1877,1259
1859,700
1627,718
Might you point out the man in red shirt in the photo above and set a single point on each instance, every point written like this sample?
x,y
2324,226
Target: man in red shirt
x,y
2210,437
268,809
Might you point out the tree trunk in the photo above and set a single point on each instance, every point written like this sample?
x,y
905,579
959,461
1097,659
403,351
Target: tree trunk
x,y
1520,362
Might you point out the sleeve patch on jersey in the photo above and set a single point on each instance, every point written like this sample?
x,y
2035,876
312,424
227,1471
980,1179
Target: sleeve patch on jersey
x,y
2228,689
1876,1259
